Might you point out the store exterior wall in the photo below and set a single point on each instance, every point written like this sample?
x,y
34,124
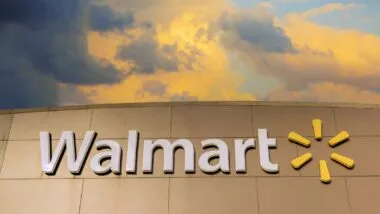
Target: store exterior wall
x,y
24,188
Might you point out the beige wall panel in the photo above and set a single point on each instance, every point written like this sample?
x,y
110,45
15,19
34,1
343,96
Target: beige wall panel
x,y
213,196
151,122
120,196
364,153
364,195
109,123
21,160
363,139
40,196
27,126
281,120
2,152
357,121
302,195
5,125
289,191
211,121
77,121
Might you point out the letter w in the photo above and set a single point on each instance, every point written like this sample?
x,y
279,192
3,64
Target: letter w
x,y
67,140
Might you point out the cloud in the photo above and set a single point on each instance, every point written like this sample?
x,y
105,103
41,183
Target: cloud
x,y
163,12
104,18
184,96
295,1
318,53
149,56
72,95
173,50
341,56
267,5
25,13
326,92
327,8
304,57
245,29
43,43
159,89
202,65
22,86
145,39
155,87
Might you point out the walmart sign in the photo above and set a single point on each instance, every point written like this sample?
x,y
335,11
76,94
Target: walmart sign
x,y
50,159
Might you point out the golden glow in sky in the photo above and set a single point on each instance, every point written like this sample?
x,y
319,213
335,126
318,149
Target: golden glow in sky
x,y
117,51
312,61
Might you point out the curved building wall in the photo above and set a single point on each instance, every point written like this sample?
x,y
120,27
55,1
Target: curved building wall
x,y
24,188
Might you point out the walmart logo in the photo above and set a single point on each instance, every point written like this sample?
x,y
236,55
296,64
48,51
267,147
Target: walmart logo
x,y
213,149
302,160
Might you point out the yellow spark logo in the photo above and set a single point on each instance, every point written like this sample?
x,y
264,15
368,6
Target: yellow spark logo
x,y
300,161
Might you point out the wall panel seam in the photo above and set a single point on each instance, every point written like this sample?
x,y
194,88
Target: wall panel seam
x,y
170,120
91,115
257,195
169,195
348,194
335,121
81,197
5,143
252,122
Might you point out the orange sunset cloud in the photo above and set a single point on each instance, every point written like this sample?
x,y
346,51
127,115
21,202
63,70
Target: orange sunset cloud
x,y
113,51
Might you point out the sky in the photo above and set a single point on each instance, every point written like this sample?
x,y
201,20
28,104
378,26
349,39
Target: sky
x,y
73,52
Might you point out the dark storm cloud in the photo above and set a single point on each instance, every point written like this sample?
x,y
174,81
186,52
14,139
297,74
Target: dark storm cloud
x,y
259,32
71,95
43,42
103,18
26,13
148,56
26,87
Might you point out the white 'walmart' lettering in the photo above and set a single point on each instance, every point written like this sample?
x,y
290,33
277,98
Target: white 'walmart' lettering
x,y
220,152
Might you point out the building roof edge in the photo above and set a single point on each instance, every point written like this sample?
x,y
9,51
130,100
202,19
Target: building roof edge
x,y
195,103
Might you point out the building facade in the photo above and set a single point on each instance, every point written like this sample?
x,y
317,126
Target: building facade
x,y
300,174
